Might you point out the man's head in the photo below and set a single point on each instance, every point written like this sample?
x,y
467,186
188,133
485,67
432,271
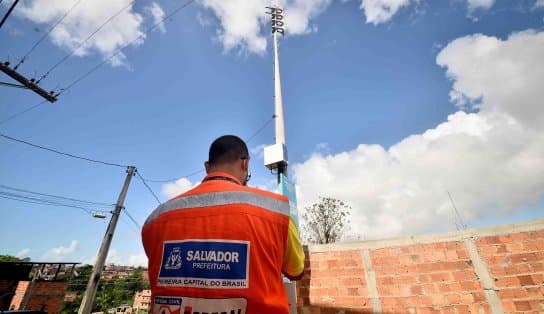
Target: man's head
x,y
229,154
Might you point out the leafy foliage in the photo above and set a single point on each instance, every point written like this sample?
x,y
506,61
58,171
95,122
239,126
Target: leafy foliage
x,y
11,258
325,221
110,294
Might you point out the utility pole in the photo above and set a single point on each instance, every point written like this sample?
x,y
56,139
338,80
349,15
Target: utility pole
x,y
90,293
26,83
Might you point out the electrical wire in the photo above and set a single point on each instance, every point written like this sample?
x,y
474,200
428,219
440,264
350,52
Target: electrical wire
x,y
202,170
22,112
66,57
148,188
260,129
43,201
45,35
32,200
82,77
176,178
61,153
132,218
54,196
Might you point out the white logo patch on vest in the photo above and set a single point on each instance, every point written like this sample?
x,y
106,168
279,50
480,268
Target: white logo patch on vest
x,y
217,264
185,305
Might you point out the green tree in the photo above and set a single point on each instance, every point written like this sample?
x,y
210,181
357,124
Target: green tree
x,y
110,294
10,258
325,221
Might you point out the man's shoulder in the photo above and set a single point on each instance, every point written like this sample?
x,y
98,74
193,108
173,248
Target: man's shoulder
x,y
266,193
201,189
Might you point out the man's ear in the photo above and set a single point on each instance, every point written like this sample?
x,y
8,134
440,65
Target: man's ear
x,y
245,164
207,167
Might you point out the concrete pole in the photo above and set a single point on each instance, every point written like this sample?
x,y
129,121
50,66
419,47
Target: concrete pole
x,y
90,293
278,103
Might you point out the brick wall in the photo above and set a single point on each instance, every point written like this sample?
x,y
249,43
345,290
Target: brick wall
x,y
488,270
42,296
7,289
516,262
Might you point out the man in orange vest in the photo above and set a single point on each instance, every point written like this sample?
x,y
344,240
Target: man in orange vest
x,y
222,246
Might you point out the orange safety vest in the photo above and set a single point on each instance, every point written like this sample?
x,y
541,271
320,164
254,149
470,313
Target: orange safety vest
x,y
218,248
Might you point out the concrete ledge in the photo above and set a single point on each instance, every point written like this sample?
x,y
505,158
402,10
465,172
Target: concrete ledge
x,y
474,233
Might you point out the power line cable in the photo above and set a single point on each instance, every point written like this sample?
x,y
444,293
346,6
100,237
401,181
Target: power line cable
x,y
55,196
38,202
43,201
22,112
62,153
67,56
45,35
260,129
202,170
132,218
176,178
79,79
148,188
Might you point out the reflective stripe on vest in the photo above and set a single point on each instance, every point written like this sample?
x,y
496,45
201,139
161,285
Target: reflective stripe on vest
x,y
222,198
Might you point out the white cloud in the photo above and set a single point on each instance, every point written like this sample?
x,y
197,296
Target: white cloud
x,y
23,253
539,4
173,189
490,161
60,253
479,4
381,11
243,23
85,19
137,260
257,151
114,257
158,15
498,75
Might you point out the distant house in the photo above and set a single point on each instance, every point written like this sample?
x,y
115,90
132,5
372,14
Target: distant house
x,y
123,309
142,300
70,296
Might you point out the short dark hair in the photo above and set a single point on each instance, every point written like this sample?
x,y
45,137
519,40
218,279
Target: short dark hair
x,y
227,149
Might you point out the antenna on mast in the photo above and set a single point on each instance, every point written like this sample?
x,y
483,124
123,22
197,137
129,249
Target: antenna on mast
x,y
461,225
275,156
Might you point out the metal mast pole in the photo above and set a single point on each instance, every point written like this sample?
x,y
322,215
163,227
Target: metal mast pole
x,y
278,102
278,107
92,286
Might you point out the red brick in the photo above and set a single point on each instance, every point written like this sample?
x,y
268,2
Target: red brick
x,y
462,309
536,267
424,300
538,279
533,292
416,290
507,282
470,285
439,300
441,277
444,287
454,298
478,297
448,310
506,293
429,288
508,306
424,278
526,280
522,306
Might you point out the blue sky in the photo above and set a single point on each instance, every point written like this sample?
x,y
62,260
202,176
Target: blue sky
x,y
389,105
